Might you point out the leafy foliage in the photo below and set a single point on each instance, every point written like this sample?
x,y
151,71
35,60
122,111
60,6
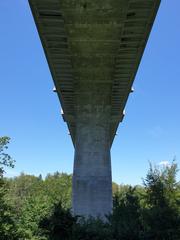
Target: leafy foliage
x,y
40,209
7,222
126,218
59,224
5,159
162,215
149,213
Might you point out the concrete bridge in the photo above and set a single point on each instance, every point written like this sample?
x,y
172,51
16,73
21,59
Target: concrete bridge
x,y
93,48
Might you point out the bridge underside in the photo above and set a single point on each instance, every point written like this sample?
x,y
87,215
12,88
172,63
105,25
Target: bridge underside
x,y
93,48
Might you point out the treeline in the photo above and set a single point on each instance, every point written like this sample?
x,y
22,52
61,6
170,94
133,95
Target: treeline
x,y
40,209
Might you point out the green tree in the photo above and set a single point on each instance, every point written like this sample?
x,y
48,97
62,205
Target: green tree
x,y
22,188
5,158
27,195
59,224
7,222
126,218
33,198
162,218
115,188
58,186
34,209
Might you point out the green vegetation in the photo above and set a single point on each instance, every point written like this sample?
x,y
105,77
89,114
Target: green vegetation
x,y
7,222
40,209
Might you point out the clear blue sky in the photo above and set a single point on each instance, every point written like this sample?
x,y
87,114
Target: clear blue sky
x,y
30,111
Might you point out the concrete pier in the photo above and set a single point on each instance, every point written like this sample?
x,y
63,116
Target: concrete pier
x,y
92,183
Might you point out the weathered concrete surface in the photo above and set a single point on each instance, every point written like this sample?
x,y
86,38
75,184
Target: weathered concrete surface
x,y
92,183
93,48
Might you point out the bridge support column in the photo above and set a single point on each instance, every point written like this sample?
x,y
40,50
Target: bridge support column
x,y
92,182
